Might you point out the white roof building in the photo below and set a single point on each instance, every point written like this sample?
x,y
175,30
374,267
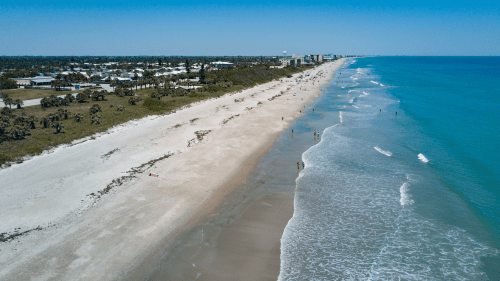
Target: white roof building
x,y
221,63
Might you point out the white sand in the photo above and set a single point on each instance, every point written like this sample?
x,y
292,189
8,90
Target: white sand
x,y
86,237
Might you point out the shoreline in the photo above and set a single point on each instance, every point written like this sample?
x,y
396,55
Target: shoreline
x,y
128,225
241,239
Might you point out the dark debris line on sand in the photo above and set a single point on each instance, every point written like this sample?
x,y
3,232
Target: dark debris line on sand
x,y
6,237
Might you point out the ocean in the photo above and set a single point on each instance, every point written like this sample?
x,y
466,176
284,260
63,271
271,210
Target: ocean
x,y
404,183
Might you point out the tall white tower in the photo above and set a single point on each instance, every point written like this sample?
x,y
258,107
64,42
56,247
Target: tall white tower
x,y
284,54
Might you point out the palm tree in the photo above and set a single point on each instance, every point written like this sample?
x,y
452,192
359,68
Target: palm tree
x,y
113,84
31,120
58,126
156,82
64,112
19,121
18,132
46,121
134,100
156,95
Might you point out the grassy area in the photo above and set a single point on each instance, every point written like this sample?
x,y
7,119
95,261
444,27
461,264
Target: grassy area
x,y
41,139
28,94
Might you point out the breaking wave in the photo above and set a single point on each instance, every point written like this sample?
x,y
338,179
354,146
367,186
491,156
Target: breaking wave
x,y
385,152
422,158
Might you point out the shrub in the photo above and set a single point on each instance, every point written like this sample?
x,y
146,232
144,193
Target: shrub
x,y
134,100
78,117
4,158
95,119
5,111
154,104
81,97
18,132
69,97
94,109
156,95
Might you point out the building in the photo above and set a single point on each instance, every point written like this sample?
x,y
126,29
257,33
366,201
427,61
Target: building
x,y
41,80
291,61
317,58
300,57
286,61
22,81
221,63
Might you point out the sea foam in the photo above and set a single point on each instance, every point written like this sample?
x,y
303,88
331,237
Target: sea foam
x,y
385,152
378,83
405,196
422,158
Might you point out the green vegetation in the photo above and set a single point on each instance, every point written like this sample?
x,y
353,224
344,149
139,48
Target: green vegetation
x,y
154,104
6,83
28,94
30,130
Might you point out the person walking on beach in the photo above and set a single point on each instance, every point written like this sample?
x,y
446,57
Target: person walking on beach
x,y
298,166
303,165
281,118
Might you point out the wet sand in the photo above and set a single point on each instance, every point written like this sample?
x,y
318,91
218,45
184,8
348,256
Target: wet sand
x,y
241,239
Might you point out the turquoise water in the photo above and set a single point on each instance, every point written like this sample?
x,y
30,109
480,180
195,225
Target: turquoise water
x,y
406,196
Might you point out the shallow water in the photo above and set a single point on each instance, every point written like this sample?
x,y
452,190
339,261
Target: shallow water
x,y
404,183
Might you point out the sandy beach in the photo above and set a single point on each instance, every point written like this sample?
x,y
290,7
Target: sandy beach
x,y
90,210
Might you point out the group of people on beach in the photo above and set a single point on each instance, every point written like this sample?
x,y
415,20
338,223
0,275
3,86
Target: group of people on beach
x,y
303,164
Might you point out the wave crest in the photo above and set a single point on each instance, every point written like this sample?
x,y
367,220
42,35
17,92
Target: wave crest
x,y
385,152
422,158
405,196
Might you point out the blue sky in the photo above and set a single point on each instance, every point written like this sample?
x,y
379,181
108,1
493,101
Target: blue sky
x,y
249,28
